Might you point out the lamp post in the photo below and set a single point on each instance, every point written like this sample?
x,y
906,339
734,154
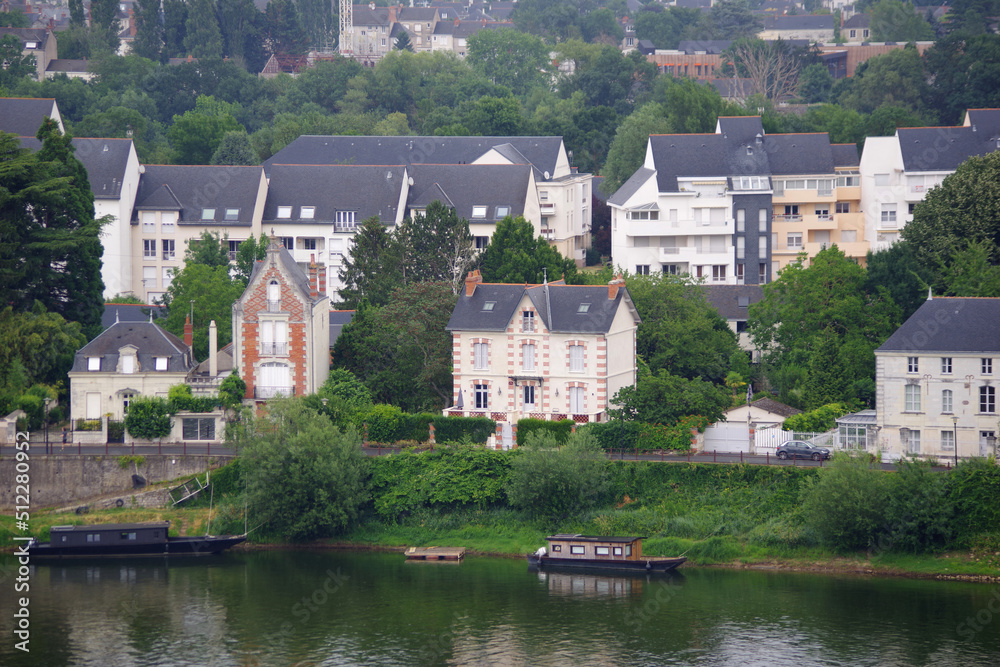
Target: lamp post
x,y
954,430
47,401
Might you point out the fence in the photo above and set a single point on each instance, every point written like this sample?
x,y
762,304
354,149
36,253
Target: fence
x,y
730,437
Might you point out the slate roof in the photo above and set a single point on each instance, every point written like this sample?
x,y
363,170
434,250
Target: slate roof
x,y
557,304
190,189
363,15
631,186
732,301
708,46
338,320
39,35
68,65
417,14
368,190
150,340
104,159
799,22
465,186
949,324
799,153
542,152
466,28
845,155
295,272
857,21
945,148
129,312
775,407
24,115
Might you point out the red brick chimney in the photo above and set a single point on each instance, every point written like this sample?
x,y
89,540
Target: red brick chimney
x,y
473,279
131,23
188,332
392,15
313,278
613,286
321,282
458,22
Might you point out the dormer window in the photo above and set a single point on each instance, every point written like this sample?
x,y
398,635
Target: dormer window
x,y
161,363
31,45
93,363
128,364
284,212
307,212
232,214
273,296
208,214
527,321
478,211
503,211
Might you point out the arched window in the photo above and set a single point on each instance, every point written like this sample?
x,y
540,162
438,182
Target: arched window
x,y
273,296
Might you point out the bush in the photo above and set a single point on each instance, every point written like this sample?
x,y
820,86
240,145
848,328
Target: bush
x,y
819,420
148,418
474,430
593,256
232,390
386,423
34,410
561,430
644,437
846,504
116,430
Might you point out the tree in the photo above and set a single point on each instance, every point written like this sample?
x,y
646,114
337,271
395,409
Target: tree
x,y
128,298
733,19
239,24
318,20
76,15
305,477
15,65
105,26
896,78
372,266
148,40
436,246
965,73
557,482
771,68
966,208
628,149
897,270
515,255
815,84
248,254
235,149
284,29
51,248
495,117
403,42
175,14
509,58
213,292
614,80
681,333
202,37
895,21
197,134
148,418
972,271
665,27
37,346
601,26
846,503
691,106
232,390
805,307
662,398
209,249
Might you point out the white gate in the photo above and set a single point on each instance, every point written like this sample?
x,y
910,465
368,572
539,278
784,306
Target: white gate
x,y
507,435
727,437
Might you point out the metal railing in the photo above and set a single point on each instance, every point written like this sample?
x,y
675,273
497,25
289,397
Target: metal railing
x,y
274,349
271,392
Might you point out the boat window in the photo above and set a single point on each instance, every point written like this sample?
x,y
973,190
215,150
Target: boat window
x,y
628,550
602,551
128,536
618,551
557,547
574,549
93,537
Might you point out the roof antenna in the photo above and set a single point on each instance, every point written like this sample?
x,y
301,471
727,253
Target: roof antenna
x,y
545,275
930,294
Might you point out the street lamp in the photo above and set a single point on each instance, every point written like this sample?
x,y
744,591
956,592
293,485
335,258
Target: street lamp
x,y
954,430
47,401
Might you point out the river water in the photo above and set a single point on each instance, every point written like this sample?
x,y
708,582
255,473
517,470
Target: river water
x,y
361,608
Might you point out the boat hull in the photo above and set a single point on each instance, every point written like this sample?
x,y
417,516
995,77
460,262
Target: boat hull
x,y
643,565
174,546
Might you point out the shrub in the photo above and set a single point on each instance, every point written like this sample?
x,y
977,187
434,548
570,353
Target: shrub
x,y
560,429
474,430
116,430
819,420
846,504
385,423
232,390
148,418
593,256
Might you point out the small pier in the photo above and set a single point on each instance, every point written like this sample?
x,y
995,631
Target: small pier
x,y
435,553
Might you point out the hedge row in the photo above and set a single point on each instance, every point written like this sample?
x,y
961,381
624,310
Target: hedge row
x,y
388,424
560,429
638,436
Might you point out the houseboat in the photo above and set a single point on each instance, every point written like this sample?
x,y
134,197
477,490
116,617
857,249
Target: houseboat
x,y
127,539
600,552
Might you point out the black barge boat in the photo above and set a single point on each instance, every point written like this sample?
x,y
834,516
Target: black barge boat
x,y
127,539
599,553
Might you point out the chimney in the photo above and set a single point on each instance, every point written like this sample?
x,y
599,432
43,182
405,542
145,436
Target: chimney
x,y
188,332
131,23
614,285
392,14
213,350
473,279
458,21
321,282
313,291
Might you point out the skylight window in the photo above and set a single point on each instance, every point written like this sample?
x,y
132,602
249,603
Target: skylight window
x,y
478,211
583,308
232,214
284,212
208,214
489,305
307,212
503,211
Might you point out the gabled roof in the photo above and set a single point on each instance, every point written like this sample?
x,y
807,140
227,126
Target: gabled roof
x,y
857,21
708,46
38,35
367,190
557,304
105,160
364,15
845,155
775,407
470,185
130,312
24,115
69,65
631,186
281,255
799,153
542,152
149,340
949,324
192,189
417,14
945,148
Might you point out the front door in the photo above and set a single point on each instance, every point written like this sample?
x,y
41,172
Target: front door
x,y
984,443
506,435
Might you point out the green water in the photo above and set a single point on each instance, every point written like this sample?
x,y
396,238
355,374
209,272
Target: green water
x,y
353,608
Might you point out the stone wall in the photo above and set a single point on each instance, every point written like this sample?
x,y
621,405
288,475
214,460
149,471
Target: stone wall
x,y
70,479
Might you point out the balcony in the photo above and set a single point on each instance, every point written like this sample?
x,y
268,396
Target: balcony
x,y
271,392
548,208
274,305
788,218
274,349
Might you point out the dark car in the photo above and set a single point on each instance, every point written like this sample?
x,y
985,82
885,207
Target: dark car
x,y
799,449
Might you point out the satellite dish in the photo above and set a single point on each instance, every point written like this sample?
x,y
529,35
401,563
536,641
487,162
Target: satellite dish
x,y
546,175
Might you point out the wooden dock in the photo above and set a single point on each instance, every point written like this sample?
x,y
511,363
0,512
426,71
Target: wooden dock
x,y
435,553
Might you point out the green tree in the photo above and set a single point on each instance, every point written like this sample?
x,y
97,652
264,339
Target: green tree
x,y
816,420
972,271
403,42
691,106
305,477
805,307
345,385
175,13
284,28
372,267
197,133
515,255
16,65
436,246
202,37
964,70
815,83
125,298
105,26
393,125
235,149
76,14
966,208
733,19
846,503
680,332
895,21
317,17
36,347
628,149
13,20
148,418
213,292
495,117
509,58
239,23
662,398
558,482
210,249
249,253
896,78
665,27
897,270
601,26
232,391
614,80
148,40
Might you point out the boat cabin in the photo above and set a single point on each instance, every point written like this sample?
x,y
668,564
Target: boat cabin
x,y
109,535
590,547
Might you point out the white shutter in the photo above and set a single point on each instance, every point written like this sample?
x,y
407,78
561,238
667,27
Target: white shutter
x,y
93,405
576,400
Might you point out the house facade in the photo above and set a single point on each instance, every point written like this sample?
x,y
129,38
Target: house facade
x,y
937,380
281,328
551,351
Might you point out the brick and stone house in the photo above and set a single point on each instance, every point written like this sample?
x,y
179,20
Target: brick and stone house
x,y
551,351
281,327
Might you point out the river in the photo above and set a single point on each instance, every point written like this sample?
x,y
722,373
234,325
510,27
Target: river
x,y
290,607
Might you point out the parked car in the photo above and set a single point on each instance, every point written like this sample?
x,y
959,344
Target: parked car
x,y
799,449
